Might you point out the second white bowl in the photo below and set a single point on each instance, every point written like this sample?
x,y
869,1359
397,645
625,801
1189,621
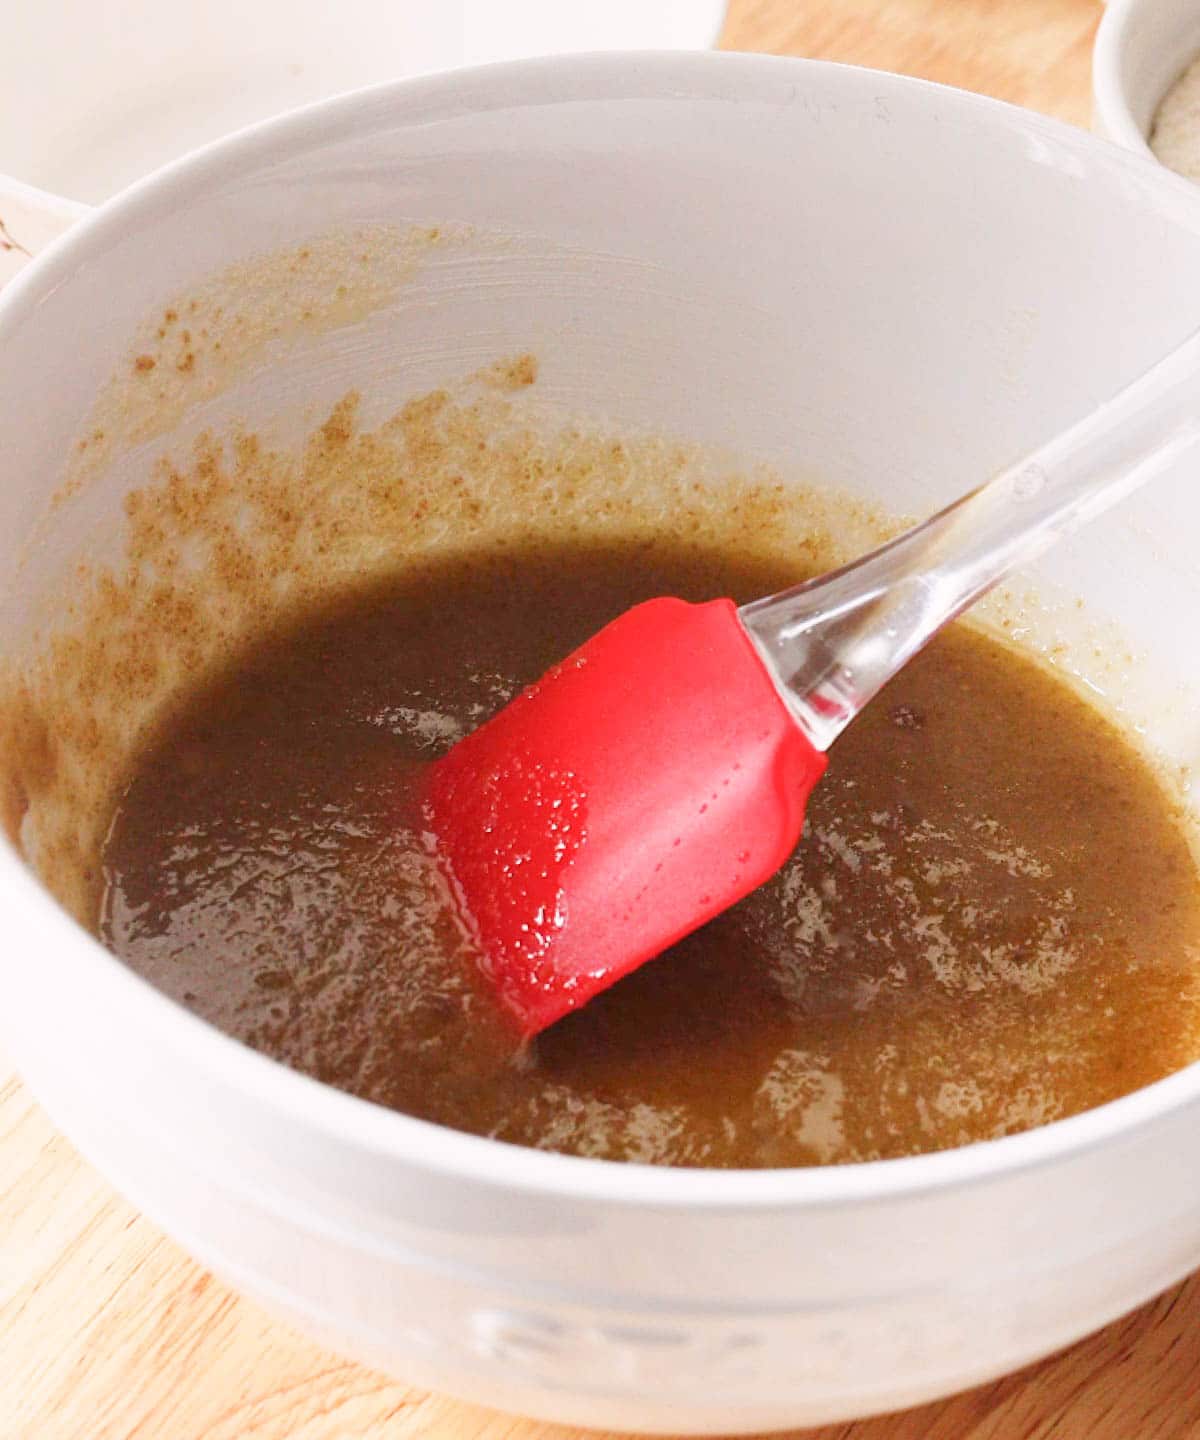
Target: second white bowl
x,y
1142,47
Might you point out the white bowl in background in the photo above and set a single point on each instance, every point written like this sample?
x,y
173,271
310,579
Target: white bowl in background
x,y
1142,47
892,285
93,96
139,83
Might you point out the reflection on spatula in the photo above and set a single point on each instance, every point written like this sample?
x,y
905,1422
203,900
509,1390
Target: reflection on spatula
x,y
660,773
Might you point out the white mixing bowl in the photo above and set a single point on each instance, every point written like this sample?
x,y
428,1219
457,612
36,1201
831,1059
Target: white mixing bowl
x,y
891,285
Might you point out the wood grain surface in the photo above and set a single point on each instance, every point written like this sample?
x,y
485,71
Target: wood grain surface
x,y
109,1332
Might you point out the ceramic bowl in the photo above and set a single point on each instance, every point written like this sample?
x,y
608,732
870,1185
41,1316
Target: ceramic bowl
x,y
1142,47
140,82
890,285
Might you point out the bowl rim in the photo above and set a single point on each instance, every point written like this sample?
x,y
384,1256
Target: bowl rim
x,y
710,77
1112,112
1108,88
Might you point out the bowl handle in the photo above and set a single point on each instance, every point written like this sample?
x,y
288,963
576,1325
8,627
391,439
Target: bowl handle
x,y
29,220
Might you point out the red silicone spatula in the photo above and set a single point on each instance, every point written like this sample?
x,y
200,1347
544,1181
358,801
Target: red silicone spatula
x,y
660,773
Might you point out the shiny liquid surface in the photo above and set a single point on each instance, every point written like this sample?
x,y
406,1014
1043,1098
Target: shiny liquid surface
x,y
991,922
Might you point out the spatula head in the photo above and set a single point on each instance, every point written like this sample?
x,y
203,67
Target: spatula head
x,y
642,786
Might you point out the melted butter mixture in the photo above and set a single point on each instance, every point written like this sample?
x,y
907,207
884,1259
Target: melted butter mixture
x,y
990,923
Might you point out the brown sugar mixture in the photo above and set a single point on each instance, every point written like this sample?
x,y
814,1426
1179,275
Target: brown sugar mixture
x,y
990,923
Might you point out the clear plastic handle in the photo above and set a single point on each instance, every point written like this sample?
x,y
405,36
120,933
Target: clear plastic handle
x,y
833,643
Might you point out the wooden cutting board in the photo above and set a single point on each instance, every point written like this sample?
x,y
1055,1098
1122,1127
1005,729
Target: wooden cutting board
x,y
109,1332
